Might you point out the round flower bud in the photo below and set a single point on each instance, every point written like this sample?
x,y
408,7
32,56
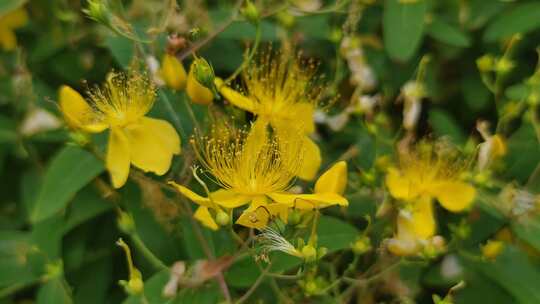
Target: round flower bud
x,y
222,218
309,253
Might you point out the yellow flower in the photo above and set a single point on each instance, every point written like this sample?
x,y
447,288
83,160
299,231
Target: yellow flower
x,y
282,91
8,24
492,249
256,168
407,242
120,105
195,90
173,72
424,175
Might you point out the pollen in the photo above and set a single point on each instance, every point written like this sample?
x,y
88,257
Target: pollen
x,y
253,162
282,87
123,99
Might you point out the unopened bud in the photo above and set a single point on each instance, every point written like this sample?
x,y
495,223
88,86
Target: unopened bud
x,y
504,65
126,223
98,11
251,13
294,217
200,82
309,253
361,245
222,218
485,63
173,72
492,249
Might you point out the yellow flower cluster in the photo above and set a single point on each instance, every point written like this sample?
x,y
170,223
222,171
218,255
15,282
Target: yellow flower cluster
x,y
282,92
257,168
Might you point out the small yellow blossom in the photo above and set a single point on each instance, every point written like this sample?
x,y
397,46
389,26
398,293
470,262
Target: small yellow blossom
x,y
195,90
256,168
426,174
282,91
8,24
173,72
121,105
492,249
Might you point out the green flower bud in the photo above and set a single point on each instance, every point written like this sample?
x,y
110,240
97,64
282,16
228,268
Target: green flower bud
x,y
251,13
361,245
222,218
309,253
294,217
204,73
485,63
98,11
125,223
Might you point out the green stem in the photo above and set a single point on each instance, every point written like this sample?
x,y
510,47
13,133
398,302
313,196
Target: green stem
x,y
172,113
248,59
155,261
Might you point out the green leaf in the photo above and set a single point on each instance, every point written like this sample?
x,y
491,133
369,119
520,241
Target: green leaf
x,y
513,272
86,205
335,234
523,18
7,6
523,153
444,125
55,291
448,33
121,48
8,130
14,268
70,170
529,231
403,26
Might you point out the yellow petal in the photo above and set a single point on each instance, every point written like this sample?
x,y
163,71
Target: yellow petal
x,y
194,197
118,157
152,144
303,116
229,199
280,210
234,97
173,72
14,19
203,215
311,161
256,215
499,146
197,92
309,201
77,113
256,139
454,196
423,219
165,132
400,186
8,40
334,180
